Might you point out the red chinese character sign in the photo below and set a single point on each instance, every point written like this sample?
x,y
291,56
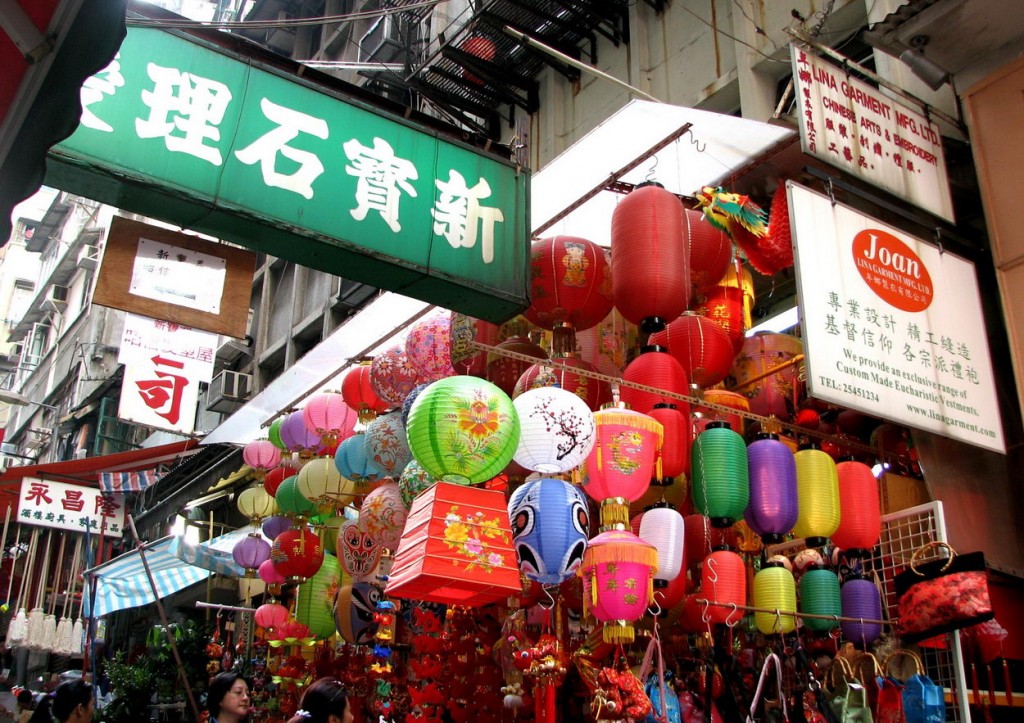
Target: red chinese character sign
x,y
162,393
70,507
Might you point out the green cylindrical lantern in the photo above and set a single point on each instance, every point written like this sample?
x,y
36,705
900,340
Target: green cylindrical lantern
x,y
274,435
775,589
314,604
817,491
463,429
819,595
290,501
721,479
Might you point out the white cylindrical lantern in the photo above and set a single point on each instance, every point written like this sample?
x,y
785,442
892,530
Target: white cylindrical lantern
x,y
556,430
662,527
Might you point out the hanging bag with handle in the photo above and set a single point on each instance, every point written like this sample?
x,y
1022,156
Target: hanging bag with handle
x,y
771,660
890,697
867,670
942,595
664,702
923,700
848,700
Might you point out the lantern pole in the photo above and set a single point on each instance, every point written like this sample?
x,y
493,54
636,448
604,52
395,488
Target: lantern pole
x,y
141,549
793,613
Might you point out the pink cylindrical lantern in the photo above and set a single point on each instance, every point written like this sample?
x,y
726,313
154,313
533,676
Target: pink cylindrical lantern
x,y
623,458
428,347
618,573
271,616
330,417
261,455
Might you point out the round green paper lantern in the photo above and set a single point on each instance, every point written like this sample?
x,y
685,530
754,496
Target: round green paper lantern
x,y
274,435
463,429
290,501
314,604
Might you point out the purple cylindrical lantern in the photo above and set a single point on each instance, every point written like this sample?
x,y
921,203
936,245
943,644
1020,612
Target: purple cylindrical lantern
x,y
296,436
274,526
772,510
861,601
250,552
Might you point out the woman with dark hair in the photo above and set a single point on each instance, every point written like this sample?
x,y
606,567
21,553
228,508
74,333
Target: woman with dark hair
x,y
71,702
324,702
228,698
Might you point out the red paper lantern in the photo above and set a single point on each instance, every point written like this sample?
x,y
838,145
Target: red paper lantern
x,y
860,519
675,450
357,390
570,283
275,477
724,305
297,554
456,549
696,540
700,345
650,258
609,344
481,47
723,579
710,250
655,367
594,392
503,371
271,616
724,398
622,460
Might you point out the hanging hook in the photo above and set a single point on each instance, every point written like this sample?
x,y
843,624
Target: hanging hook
x,y
650,171
831,192
655,608
705,616
729,622
778,621
551,599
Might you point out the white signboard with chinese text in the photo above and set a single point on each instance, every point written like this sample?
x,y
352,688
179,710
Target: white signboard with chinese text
x,y
892,325
70,507
853,126
160,393
179,276
143,338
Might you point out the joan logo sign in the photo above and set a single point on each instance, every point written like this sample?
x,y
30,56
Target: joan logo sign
x,y
892,270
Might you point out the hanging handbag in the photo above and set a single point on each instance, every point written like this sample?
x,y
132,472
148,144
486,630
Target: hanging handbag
x,y
923,700
664,702
942,595
769,661
867,670
890,698
848,699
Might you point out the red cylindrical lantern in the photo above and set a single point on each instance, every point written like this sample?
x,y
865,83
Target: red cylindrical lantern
x,y
595,392
297,554
700,345
724,306
860,519
358,393
723,579
655,367
503,371
696,540
650,258
710,250
570,283
675,450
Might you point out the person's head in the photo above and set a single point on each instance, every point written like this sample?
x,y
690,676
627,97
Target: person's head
x,y
25,698
228,696
71,702
324,702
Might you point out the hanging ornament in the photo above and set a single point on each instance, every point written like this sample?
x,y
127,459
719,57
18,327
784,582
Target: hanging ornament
x,y
393,376
650,258
358,551
262,456
556,430
328,416
721,484
772,510
655,367
550,523
357,390
710,251
618,572
467,359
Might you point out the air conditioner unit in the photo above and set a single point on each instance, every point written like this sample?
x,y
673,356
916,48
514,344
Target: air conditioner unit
x,y
382,43
89,257
228,391
56,298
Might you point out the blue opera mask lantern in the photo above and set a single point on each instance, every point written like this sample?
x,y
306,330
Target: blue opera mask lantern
x,y
550,524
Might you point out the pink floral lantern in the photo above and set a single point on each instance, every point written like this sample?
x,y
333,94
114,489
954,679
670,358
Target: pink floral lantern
x,y
383,514
428,348
297,438
330,417
618,576
393,375
262,456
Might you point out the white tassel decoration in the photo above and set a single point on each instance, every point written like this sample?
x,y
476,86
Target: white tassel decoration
x,y
77,635
46,638
62,637
34,636
18,630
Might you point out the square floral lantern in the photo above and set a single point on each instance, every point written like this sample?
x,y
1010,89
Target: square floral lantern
x,y
456,549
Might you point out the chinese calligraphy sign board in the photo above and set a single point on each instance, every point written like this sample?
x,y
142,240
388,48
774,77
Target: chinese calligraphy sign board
x,y
70,507
853,126
893,326
180,279
143,338
193,135
160,392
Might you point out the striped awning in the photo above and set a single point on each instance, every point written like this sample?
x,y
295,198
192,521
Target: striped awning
x,y
128,481
122,583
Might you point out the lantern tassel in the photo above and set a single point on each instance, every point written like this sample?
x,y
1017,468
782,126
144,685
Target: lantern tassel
x,y
619,632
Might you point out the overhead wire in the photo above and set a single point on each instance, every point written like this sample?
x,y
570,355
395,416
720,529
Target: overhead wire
x,y
185,23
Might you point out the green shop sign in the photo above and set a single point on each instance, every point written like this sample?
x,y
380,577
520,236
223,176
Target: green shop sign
x,y
192,135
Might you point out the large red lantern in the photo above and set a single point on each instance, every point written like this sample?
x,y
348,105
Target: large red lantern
x,y
655,367
710,250
297,554
724,305
650,258
570,287
503,371
358,392
701,346
480,47
860,521
595,392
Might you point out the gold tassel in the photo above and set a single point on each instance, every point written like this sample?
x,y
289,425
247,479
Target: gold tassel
x,y
618,632
599,453
650,590
657,468
593,590
615,511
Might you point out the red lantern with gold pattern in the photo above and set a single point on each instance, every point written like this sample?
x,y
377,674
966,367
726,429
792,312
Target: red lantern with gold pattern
x,y
655,367
700,345
297,554
724,306
650,258
594,392
570,283
503,371
710,250
357,390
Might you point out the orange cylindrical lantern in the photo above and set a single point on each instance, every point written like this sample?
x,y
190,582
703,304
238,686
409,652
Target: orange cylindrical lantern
x,y
650,258
675,450
357,390
860,519
723,580
655,367
700,345
710,251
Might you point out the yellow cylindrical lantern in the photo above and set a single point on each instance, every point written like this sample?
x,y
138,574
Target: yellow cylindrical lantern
x,y
775,589
817,488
